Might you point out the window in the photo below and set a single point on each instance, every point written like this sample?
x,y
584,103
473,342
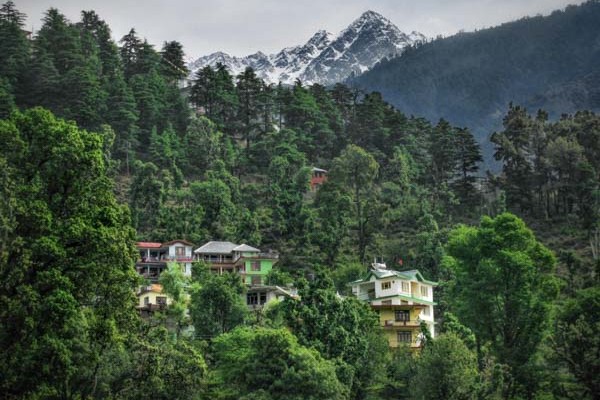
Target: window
x,y
146,300
386,285
180,251
424,291
255,265
404,337
402,315
161,300
263,298
256,280
405,287
426,311
252,299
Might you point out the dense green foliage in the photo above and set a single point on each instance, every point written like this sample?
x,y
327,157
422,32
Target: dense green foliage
x,y
230,158
503,257
446,369
65,244
542,62
270,364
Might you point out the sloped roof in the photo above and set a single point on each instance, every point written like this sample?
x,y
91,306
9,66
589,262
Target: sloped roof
x,y
315,169
149,245
178,241
407,298
214,247
246,249
411,275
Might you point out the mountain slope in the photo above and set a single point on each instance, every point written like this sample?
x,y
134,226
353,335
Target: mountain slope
x,y
325,58
547,62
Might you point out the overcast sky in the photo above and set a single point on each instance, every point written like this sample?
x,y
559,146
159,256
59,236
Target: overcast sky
x,y
241,27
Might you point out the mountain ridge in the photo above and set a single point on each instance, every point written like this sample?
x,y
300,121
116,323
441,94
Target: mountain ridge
x,y
325,58
547,62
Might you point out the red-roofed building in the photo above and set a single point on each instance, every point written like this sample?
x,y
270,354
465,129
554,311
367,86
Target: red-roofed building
x,y
319,176
154,256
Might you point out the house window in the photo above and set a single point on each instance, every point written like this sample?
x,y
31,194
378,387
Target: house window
x,y
146,300
404,337
255,265
386,285
424,291
161,300
252,299
180,251
256,280
426,311
263,298
405,287
402,315
386,303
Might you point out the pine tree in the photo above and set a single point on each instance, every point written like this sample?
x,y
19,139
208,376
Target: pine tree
x,y
14,48
173,63
248,89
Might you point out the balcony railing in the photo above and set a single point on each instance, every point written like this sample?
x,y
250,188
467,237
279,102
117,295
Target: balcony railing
x,y
391,323
366,296
178,258
165,259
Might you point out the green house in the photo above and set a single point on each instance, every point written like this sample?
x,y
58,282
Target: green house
x,y
252,264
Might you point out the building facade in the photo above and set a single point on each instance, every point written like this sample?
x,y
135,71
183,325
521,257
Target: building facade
x,y
252,264
154,258
151,298
318,177
403,300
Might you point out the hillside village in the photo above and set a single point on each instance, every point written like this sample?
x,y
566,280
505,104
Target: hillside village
x,y
403,300
241,240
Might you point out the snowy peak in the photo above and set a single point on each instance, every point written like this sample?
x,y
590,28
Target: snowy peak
x,y
320,39
325,58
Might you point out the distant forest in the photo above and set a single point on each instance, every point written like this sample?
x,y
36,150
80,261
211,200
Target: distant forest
x,y
539,62
102,147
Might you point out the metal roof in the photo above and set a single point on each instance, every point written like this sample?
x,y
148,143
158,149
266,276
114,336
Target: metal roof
x,y
246,249
214,247
185,242
411,275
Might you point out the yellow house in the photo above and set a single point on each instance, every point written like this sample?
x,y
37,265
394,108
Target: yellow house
x,y
403,300
151,298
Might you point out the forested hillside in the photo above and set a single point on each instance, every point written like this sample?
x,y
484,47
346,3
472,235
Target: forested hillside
x,y
539,62
100,148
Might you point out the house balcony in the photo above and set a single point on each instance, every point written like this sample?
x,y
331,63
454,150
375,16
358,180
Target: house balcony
x,y
178,258
391,323
218,259
366,296
150,260
152,307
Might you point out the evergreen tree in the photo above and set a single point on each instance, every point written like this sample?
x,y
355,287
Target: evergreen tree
x,y
512,148
248,89
67,262
355,170
173,64
468,157
14,48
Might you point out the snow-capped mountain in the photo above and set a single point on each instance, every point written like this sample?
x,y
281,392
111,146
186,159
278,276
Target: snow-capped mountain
x,y
325,58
